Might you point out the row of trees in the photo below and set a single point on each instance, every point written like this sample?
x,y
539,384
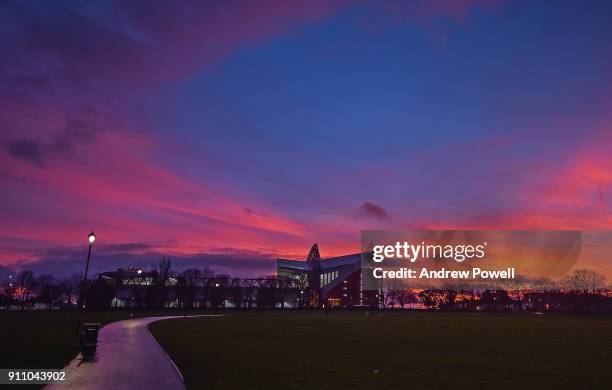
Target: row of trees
x,y
584,280
27,288
582,290
191,285
189,288
500,300
395,292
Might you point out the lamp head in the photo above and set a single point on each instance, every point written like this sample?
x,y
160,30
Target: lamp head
x,y
91,238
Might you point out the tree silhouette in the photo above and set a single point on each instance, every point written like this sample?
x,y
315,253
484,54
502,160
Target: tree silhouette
x,y
25,280
188,281
48,290
69,287
585,280
407,297
164,272
100,294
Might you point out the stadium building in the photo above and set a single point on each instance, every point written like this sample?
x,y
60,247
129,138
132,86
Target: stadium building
x,y
329,283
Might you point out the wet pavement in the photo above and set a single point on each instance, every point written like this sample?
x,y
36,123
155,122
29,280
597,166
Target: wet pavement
x,y
128,357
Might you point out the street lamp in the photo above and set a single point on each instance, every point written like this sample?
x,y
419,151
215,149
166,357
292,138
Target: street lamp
x,y
90,238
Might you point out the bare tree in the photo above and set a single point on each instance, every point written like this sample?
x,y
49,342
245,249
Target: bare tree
x,y
192,276
218,288
433,298
301,283
164,268
25,279
407,296
48,290
69,287
584,280
250,291
236,292
544,284
164,272
207,273
391,293
188,281
266,292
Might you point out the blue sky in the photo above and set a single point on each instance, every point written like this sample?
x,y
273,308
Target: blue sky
x,y
251,130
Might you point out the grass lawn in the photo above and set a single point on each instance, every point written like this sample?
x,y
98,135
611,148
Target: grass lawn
x,y
388,350
48,339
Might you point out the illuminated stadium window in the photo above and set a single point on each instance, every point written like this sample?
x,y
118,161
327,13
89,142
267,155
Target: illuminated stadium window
x,y
327,277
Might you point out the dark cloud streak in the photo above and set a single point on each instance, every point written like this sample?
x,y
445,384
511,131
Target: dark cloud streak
x,y
64,261
75,132
26,150
373,210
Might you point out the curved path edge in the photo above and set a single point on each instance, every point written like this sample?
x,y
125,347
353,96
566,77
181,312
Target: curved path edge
x,y
128,357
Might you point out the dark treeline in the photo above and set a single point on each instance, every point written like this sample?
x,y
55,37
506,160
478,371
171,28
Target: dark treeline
x,y
582,290
162,287
25,289
500,300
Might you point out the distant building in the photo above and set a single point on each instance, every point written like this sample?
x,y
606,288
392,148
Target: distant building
x,y
331,282
130,284
129,276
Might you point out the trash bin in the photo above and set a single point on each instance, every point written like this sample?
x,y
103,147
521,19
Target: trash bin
x,y
89,339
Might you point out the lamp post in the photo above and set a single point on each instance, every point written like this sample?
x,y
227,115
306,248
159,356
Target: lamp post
x,y
90,238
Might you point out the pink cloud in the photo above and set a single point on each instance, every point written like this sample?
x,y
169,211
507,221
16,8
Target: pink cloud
x,y
78,153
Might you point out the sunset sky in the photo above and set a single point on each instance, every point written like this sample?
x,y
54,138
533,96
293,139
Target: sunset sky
x,y
226,134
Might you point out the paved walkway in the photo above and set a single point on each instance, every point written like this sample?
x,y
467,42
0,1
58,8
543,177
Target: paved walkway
x,y
128,357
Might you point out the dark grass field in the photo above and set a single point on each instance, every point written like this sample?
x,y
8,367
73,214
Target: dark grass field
x,y
48,339
389,350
